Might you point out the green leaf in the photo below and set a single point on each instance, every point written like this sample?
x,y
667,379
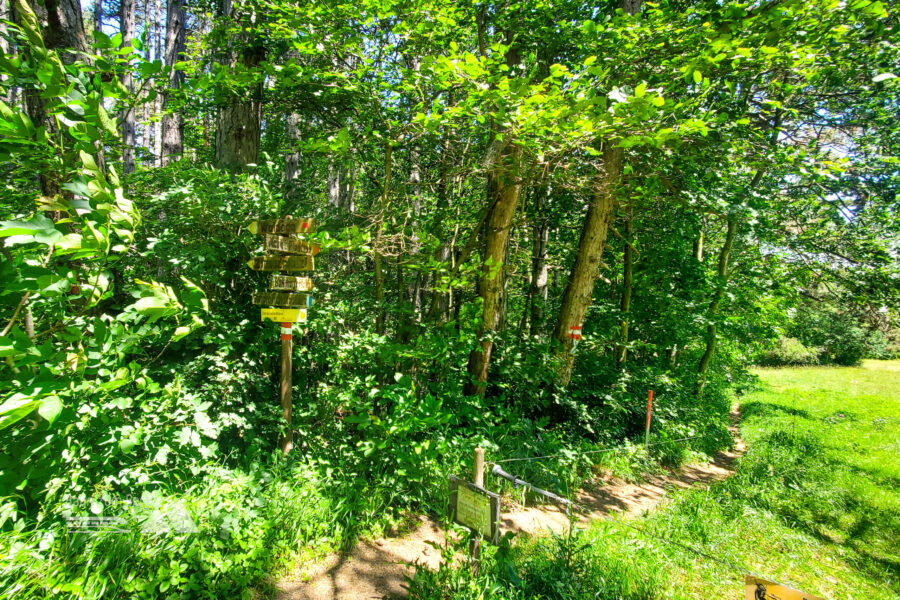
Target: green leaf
x,y
698,77
50,408
16,407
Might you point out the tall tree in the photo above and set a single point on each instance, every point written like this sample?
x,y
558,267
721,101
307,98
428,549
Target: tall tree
x,y
504,186
126,25
580,286
173,121
239,118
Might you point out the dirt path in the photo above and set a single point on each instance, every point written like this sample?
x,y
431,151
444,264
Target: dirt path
x,y
377,569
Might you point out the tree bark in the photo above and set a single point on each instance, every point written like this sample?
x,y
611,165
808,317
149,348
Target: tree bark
x,y
379,227
157,102
440,301
239,121
580,287
722,280
65,28
625,304
172,121
292,160
63,31
505,187
126,27
98,15
539,270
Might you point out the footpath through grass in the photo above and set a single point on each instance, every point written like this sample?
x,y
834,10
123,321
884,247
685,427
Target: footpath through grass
x,y
815,503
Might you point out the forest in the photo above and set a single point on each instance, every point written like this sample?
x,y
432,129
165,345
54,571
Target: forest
x,y
528,215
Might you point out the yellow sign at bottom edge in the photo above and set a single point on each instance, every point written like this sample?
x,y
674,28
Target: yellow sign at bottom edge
x,y
284,315
761,589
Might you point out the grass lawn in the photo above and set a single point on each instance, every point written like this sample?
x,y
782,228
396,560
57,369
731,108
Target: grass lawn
x,y
815,503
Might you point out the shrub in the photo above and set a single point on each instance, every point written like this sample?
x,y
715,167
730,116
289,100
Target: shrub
x,y
788,351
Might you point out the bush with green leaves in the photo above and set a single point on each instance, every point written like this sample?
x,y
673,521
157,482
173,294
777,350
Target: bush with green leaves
x,y
787,351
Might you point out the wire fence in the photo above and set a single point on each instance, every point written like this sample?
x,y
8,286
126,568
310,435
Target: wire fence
x,y
598,451
566,502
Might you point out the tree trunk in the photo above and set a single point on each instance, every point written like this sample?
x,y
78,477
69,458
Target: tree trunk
x,y
98,15
580,287
126,26
722,280
63,31
698,243
65,28
625,305
379,227
505,187
539,271
292,161
6,48
172,121
157,102
440,301
239,121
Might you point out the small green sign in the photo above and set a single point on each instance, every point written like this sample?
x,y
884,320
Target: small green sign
x,y
474,507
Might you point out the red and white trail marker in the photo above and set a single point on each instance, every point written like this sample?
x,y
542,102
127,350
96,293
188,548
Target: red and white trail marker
x,y
575,334
286,329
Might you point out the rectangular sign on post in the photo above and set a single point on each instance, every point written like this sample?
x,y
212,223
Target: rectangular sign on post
x,y
289,245
757,589
475,508
291,284
286,226
283,315
282,299
282,263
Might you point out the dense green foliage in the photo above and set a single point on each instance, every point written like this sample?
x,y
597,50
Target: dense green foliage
x,y
743,157
814,503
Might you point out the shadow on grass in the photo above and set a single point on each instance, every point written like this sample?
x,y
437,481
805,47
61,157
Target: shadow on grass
x,y
768,410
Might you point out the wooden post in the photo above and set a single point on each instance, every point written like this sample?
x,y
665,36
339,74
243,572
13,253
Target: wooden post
x,y
649,413
475,544
287,343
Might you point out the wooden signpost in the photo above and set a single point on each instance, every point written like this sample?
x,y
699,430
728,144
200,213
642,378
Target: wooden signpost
x,y
290,299
280,243
476,508
284,315
282,299
287,225
291,284
282,263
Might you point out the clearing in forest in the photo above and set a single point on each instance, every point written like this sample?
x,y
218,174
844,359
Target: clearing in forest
x,y
813,503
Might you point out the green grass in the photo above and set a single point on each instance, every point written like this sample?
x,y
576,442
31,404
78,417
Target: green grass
x,y
815,503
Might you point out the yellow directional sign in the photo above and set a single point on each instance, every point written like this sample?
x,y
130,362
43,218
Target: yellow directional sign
x,y
289,245
760,589
289,283
282,263
285,299
284,315
283,226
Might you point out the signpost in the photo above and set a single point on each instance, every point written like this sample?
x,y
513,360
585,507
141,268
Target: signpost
x,y
281,243
292,284
283,315
286,225
474,507
292,254
282,263
282,299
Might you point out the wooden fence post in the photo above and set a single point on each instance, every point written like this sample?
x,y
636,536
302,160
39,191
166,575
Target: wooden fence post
x,y
475,544
287,343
